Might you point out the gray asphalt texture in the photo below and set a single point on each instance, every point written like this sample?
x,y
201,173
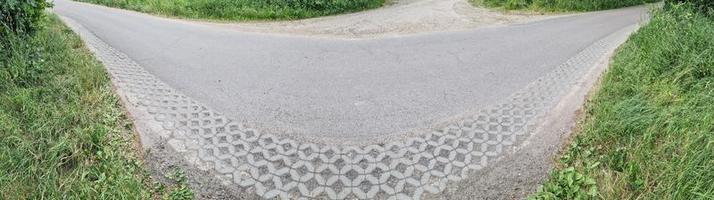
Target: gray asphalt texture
x,y
468,114
345,88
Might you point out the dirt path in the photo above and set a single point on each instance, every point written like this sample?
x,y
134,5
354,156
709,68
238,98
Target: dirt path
x,y
398,18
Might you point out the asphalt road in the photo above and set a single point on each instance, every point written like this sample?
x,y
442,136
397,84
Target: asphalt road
x,y
332,91
346,88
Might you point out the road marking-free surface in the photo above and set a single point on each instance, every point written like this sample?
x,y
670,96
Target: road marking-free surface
x,y
394,117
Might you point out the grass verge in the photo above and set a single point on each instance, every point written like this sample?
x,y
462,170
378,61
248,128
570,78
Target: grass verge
x,y
243,9
649,131
560,5
64,134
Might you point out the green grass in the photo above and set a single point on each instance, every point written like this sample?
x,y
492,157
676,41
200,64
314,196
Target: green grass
x,y
649,130
243,9
561,5
63,133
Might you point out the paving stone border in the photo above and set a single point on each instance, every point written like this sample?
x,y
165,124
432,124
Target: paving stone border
x,y
288,169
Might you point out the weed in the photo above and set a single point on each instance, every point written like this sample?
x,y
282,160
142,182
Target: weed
x,y
649,131
63,131
561,5
180,191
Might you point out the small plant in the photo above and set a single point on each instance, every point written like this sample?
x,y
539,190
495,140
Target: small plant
x,y
568,183
180,190
572,182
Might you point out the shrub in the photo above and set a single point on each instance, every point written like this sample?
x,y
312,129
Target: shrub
x,y
702,3
707,6
243,9
517,4
588,5
566,5
21,16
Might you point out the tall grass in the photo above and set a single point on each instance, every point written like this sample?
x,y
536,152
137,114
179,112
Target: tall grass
x,y
649,131
63,134
243,9
562,5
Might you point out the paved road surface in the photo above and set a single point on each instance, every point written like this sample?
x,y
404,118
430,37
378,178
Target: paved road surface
x,y
290,116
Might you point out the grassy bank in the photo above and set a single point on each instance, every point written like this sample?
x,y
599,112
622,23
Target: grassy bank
x,y
561,5
64,135
243,9
649,131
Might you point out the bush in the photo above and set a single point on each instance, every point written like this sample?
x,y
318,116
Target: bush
x,y
566,5
588,5
707,6
702,3
243,9
21,16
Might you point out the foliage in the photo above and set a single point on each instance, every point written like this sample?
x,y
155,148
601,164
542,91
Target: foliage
x,y
563,5
181,191
21,16
648,133
572,183
64,134
243,9
706,6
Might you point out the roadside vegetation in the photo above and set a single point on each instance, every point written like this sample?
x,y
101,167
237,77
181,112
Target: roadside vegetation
x,y
243,9
63,134
560,5
649,131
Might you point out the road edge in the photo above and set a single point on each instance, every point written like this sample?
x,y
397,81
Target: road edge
x,y
532,162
